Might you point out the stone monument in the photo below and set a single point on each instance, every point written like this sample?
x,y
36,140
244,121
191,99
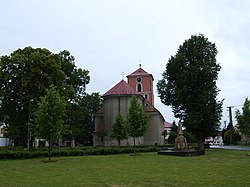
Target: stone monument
x,y
180,140
181,147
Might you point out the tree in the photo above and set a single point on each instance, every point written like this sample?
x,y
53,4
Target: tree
x,y
236,137
243,118
137,120
90,103
24,77
76,78
189,86
48,121
173,133
81,116
119,129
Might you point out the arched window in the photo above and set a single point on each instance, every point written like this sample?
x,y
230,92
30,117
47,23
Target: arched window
x,y
139,87
146,96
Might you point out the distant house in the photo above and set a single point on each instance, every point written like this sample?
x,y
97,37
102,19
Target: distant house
x,y
117,101
3,140
167,127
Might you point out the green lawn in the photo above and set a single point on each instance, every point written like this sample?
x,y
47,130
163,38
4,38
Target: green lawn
x,y
216,168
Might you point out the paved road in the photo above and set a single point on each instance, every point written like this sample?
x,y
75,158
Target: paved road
x,y
230,147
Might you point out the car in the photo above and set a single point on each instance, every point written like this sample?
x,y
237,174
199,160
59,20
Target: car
x,y
209,140
218,142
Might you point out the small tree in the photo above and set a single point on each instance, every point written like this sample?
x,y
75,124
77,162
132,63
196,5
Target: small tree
x,y
48,120
137,120
164,134
119,130
236,137
173,133
244,118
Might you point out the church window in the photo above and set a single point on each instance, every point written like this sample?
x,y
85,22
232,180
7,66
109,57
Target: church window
x,y
146,96
139,87
138,79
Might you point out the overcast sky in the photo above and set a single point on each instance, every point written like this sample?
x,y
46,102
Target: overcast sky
x,y
108,37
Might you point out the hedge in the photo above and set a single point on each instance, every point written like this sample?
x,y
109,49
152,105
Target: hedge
x,y
79,151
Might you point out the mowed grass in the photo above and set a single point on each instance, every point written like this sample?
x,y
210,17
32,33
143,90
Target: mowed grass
x,y
216,168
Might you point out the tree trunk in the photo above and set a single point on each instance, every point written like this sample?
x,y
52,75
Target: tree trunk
x,y
134,145
31,142
119,142
201,144
72,142
49,148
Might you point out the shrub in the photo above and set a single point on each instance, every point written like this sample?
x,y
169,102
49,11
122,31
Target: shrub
x,y
81,151
236,137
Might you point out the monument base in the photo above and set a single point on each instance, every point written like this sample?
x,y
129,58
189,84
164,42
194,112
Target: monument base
x,y
188,152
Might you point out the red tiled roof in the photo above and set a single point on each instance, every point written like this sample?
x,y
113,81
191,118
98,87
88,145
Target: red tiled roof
x,y
139,71
121,88
167,125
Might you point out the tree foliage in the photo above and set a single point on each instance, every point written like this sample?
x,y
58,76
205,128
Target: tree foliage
x,y
81,116
76,79
119,129
243,118
189,86
137,119
48,121
236,137
173,133
25,75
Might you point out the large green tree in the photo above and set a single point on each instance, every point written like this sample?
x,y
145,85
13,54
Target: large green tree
x,y
243,118
48,120
137,120
81,105
189,86
25,75
119,129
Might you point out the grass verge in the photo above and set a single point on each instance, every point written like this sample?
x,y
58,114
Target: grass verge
x,y
215,168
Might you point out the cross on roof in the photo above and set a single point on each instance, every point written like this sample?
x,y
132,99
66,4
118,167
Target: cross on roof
x,y
122,74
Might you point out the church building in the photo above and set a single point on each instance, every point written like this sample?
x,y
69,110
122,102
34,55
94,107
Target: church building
x,y
117,101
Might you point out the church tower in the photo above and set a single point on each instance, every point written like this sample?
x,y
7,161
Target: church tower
x,y
142,83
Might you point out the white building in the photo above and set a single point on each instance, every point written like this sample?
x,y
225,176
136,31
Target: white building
x,y
3,140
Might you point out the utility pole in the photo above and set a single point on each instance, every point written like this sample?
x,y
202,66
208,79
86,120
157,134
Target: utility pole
x,y
230,123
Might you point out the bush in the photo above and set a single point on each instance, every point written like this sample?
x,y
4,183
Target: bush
x,y
79,151
236,137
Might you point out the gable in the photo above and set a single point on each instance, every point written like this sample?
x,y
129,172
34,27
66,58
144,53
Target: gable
x,y
120,88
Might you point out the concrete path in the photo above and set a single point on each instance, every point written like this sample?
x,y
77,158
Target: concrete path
x,y
230,147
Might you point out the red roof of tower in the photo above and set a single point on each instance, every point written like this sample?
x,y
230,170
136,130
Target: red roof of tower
x,y
121,88
140,71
